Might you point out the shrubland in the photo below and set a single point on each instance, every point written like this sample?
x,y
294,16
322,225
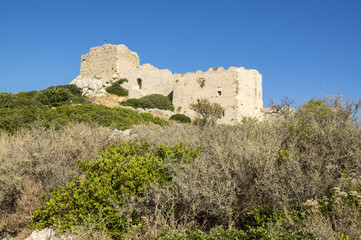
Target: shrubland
x,y
58,105
36,161
295,178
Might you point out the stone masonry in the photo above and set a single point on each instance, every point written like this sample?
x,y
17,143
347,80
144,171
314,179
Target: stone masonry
x,y
237,90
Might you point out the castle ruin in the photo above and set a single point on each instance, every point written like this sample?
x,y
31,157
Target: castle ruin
x,y
237,89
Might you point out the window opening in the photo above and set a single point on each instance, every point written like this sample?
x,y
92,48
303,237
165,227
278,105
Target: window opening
x,y
139,81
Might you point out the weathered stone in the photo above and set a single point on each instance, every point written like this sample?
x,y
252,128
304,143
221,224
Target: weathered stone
x,y
237,90
121,99
101,94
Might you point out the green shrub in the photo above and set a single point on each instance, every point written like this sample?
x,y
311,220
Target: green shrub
x,y
27,99
150,101
97,193
119,118
75,93
13,119
74,89
7,100
54,97
117,89
181,118
131,102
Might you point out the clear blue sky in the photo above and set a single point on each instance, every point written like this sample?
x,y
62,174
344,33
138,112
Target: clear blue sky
x,y
303,48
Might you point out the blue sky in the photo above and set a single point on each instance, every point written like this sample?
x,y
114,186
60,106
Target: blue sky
x,y
304,49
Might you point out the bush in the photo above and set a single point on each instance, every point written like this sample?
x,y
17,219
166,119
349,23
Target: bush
x,y
27,99
97,193
75,93
150,101
119,118
36,161
279,166
207,112
13,119
131,102
73,89
180,118
7,100
117,89
54,97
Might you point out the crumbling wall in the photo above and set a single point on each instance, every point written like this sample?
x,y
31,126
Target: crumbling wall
x,y
105,61
237,90
108,63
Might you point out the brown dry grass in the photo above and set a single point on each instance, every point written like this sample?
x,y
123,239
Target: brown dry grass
x,y
110,101
33,162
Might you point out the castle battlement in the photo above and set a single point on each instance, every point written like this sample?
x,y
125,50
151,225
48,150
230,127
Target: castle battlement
x,y
237,89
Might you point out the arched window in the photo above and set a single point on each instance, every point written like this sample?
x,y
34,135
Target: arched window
x,y
139,81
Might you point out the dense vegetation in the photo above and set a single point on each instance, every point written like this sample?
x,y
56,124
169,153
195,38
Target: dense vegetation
x,y
150,101
294,178
180,118
97,193
117,89
55,106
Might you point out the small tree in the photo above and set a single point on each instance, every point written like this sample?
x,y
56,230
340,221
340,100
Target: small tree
x,y
207,112
285,107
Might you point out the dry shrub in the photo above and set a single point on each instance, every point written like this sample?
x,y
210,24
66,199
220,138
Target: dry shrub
x,y
274,166
35,161
220,187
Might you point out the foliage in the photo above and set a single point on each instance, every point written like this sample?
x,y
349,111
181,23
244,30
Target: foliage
x,y
294,178
150,101
33,162
7,100
131,102
54,97
27,99
75,93
207,112
96,194
180,118
119,118
73,89
117,89
13,119
283,166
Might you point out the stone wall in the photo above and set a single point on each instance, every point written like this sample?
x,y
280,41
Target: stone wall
x,y
237,90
